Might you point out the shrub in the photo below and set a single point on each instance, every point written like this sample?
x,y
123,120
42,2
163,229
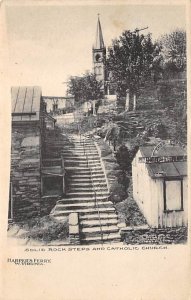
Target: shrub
x,y
105,149
46,229
123,179
117,193
124,158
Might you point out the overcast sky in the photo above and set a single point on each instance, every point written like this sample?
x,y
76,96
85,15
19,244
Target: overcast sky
x,y
49,43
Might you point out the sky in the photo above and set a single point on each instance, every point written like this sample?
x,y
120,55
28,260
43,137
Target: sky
x,y
47,44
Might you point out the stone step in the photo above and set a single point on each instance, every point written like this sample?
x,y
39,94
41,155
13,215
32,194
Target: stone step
x,y
80,205
105,238
104,229
80,148
86,211
71,155
87,141
79,141
78,171
87,179
88,187
83,173
101,215
80,153
80,195
86,168
82,200
92,189
90,198
96,223
88,184
82,159
87,192
99,176
82,164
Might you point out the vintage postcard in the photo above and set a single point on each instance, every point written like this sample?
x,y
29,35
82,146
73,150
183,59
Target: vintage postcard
x,y
95,150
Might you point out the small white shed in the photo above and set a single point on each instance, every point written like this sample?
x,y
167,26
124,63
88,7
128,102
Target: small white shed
x,y
160,185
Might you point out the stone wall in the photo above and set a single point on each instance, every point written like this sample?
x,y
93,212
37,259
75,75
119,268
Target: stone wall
x,y
47,204
25,171
157,236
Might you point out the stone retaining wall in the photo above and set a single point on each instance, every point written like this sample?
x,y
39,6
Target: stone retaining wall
x,y
133,236
25,171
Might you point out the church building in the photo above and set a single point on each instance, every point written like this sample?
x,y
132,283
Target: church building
x,y
99,63
99,55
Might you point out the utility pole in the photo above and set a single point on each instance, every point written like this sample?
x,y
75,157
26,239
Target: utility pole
x,y
137,29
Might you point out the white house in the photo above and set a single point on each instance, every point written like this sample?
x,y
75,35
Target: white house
x,y
54,103
160,185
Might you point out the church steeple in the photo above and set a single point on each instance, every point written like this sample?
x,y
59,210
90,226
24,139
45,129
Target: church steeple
x,y
99,42
99,55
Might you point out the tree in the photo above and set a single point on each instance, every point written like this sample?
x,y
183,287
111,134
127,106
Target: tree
x,y
170,57
174,48
85,87
124,158
129,61
113,134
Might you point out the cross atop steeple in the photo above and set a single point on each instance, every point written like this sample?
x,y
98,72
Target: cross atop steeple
x,y
99,43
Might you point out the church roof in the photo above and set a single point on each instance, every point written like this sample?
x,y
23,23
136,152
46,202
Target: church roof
x,y
99,43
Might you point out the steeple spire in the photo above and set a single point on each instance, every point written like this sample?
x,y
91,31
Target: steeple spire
x,y
99,43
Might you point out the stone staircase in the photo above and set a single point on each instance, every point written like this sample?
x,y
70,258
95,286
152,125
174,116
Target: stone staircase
x,y
87,194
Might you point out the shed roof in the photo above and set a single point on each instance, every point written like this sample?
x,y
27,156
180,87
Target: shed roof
x,y
165,169
25,103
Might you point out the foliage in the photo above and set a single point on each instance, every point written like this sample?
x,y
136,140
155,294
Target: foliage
x,y
170,57
125,156
129,212
85,87
129,61
105,149
157,129
173,47
46,229
117,193
178,118
123,179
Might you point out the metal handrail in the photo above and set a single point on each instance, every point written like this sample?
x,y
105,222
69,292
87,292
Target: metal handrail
x,y
99,183
95,194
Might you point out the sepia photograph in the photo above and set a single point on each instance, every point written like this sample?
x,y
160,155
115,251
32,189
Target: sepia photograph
x,y
94,118
98,125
